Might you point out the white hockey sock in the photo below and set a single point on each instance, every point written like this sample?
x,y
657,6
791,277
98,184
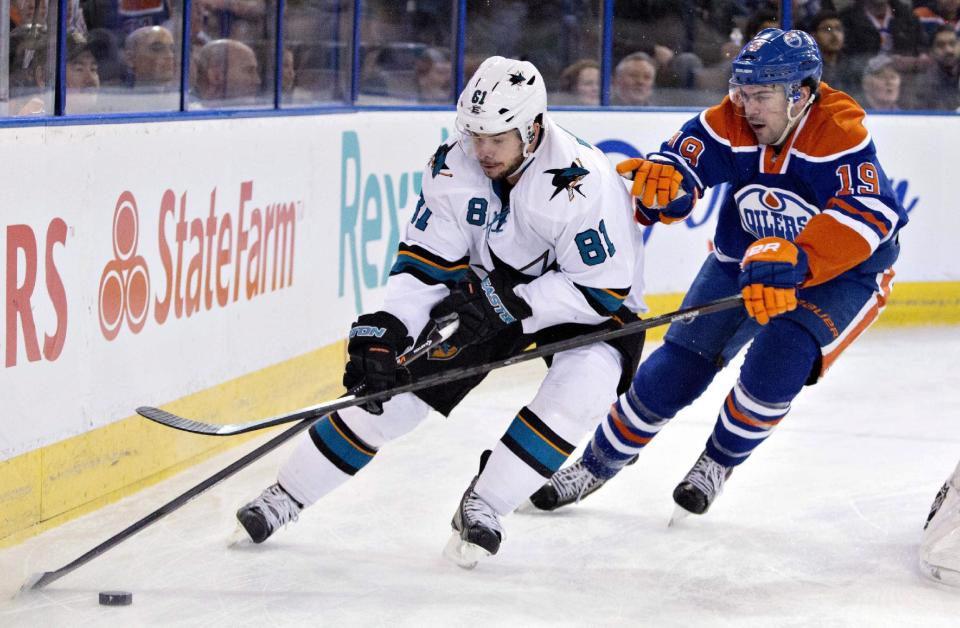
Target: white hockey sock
x,y
307,474
507,481
341,444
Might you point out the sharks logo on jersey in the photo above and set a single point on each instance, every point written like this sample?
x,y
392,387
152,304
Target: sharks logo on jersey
x,y
767,212
438,163
568,179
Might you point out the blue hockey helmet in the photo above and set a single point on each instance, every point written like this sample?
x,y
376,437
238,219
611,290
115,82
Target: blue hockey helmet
x,y
775,56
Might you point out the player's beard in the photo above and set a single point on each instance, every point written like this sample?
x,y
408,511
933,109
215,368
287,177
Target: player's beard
x,y
503,173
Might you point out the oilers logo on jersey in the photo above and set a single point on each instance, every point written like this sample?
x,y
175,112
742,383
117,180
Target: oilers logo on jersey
x,y
767,212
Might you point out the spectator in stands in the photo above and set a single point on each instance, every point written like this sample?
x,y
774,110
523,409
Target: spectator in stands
x,y
761,19
937,87
289,77
110,64
227,70
676,70
241,20
26,12
885,26
715,78
942,12
839,71
122,17
82,76
151,56
804,10
580,83
881,84
29,92
433,73
633,80
316,76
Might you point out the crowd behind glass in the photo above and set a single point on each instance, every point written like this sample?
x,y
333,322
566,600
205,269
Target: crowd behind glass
x,y
128,55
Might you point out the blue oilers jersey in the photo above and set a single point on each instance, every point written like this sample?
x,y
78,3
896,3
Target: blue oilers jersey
x,y
565,229
824,190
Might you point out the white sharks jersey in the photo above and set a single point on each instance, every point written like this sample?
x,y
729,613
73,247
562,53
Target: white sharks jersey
x,y
566,225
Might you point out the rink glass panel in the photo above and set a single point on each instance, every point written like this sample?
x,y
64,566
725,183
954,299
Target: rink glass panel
x,y
28,38
233,55
316,52
405,53
691,48
555,36
125,58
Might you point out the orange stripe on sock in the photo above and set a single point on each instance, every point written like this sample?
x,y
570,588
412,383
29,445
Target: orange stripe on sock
x,y
624,431
732,409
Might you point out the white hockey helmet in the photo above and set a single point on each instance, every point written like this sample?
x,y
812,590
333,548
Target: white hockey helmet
x,y
503,94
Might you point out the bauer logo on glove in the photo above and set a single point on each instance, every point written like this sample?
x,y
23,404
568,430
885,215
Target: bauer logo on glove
x,y
771,270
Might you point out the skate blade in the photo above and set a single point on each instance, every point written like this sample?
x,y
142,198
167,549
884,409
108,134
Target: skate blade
x,y
239,539
942,575
27,587
528,508
679,514
465,555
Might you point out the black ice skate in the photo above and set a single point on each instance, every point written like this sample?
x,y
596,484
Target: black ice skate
x,y
476,527
566,486
268,512
702,485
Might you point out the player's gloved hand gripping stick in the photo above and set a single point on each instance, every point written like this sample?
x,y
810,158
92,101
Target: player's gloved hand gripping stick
x,y
374,347
485,307
771,270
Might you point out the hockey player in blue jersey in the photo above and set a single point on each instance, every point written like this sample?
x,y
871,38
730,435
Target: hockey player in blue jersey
x,y
808,235
525,233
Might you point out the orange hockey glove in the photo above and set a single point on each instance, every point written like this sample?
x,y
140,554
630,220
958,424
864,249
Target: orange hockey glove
x,y
659,190
771,270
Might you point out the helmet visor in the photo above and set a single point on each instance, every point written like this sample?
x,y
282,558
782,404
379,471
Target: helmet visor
x,y
476,144
760,99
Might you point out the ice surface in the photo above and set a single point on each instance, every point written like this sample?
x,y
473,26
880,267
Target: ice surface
x,y
820,527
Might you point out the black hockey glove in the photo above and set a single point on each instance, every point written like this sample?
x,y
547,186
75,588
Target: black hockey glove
x,y
486,307
375,342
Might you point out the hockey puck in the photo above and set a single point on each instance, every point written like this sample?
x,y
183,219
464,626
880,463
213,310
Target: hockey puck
x,y
116,598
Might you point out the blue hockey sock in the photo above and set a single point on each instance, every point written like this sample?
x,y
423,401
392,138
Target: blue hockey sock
x,y
670,379
776,367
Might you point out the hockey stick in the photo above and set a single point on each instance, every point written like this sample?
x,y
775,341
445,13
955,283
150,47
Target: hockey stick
x,y
443,330
40,580
312,412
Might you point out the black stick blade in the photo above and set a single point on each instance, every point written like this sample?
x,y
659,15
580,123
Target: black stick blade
x,y
177,422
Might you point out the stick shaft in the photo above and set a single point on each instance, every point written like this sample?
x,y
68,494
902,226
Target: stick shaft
x,y
312,412
173,505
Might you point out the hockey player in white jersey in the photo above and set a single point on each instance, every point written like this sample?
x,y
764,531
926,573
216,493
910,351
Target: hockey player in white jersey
x,y
525,233
940,543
